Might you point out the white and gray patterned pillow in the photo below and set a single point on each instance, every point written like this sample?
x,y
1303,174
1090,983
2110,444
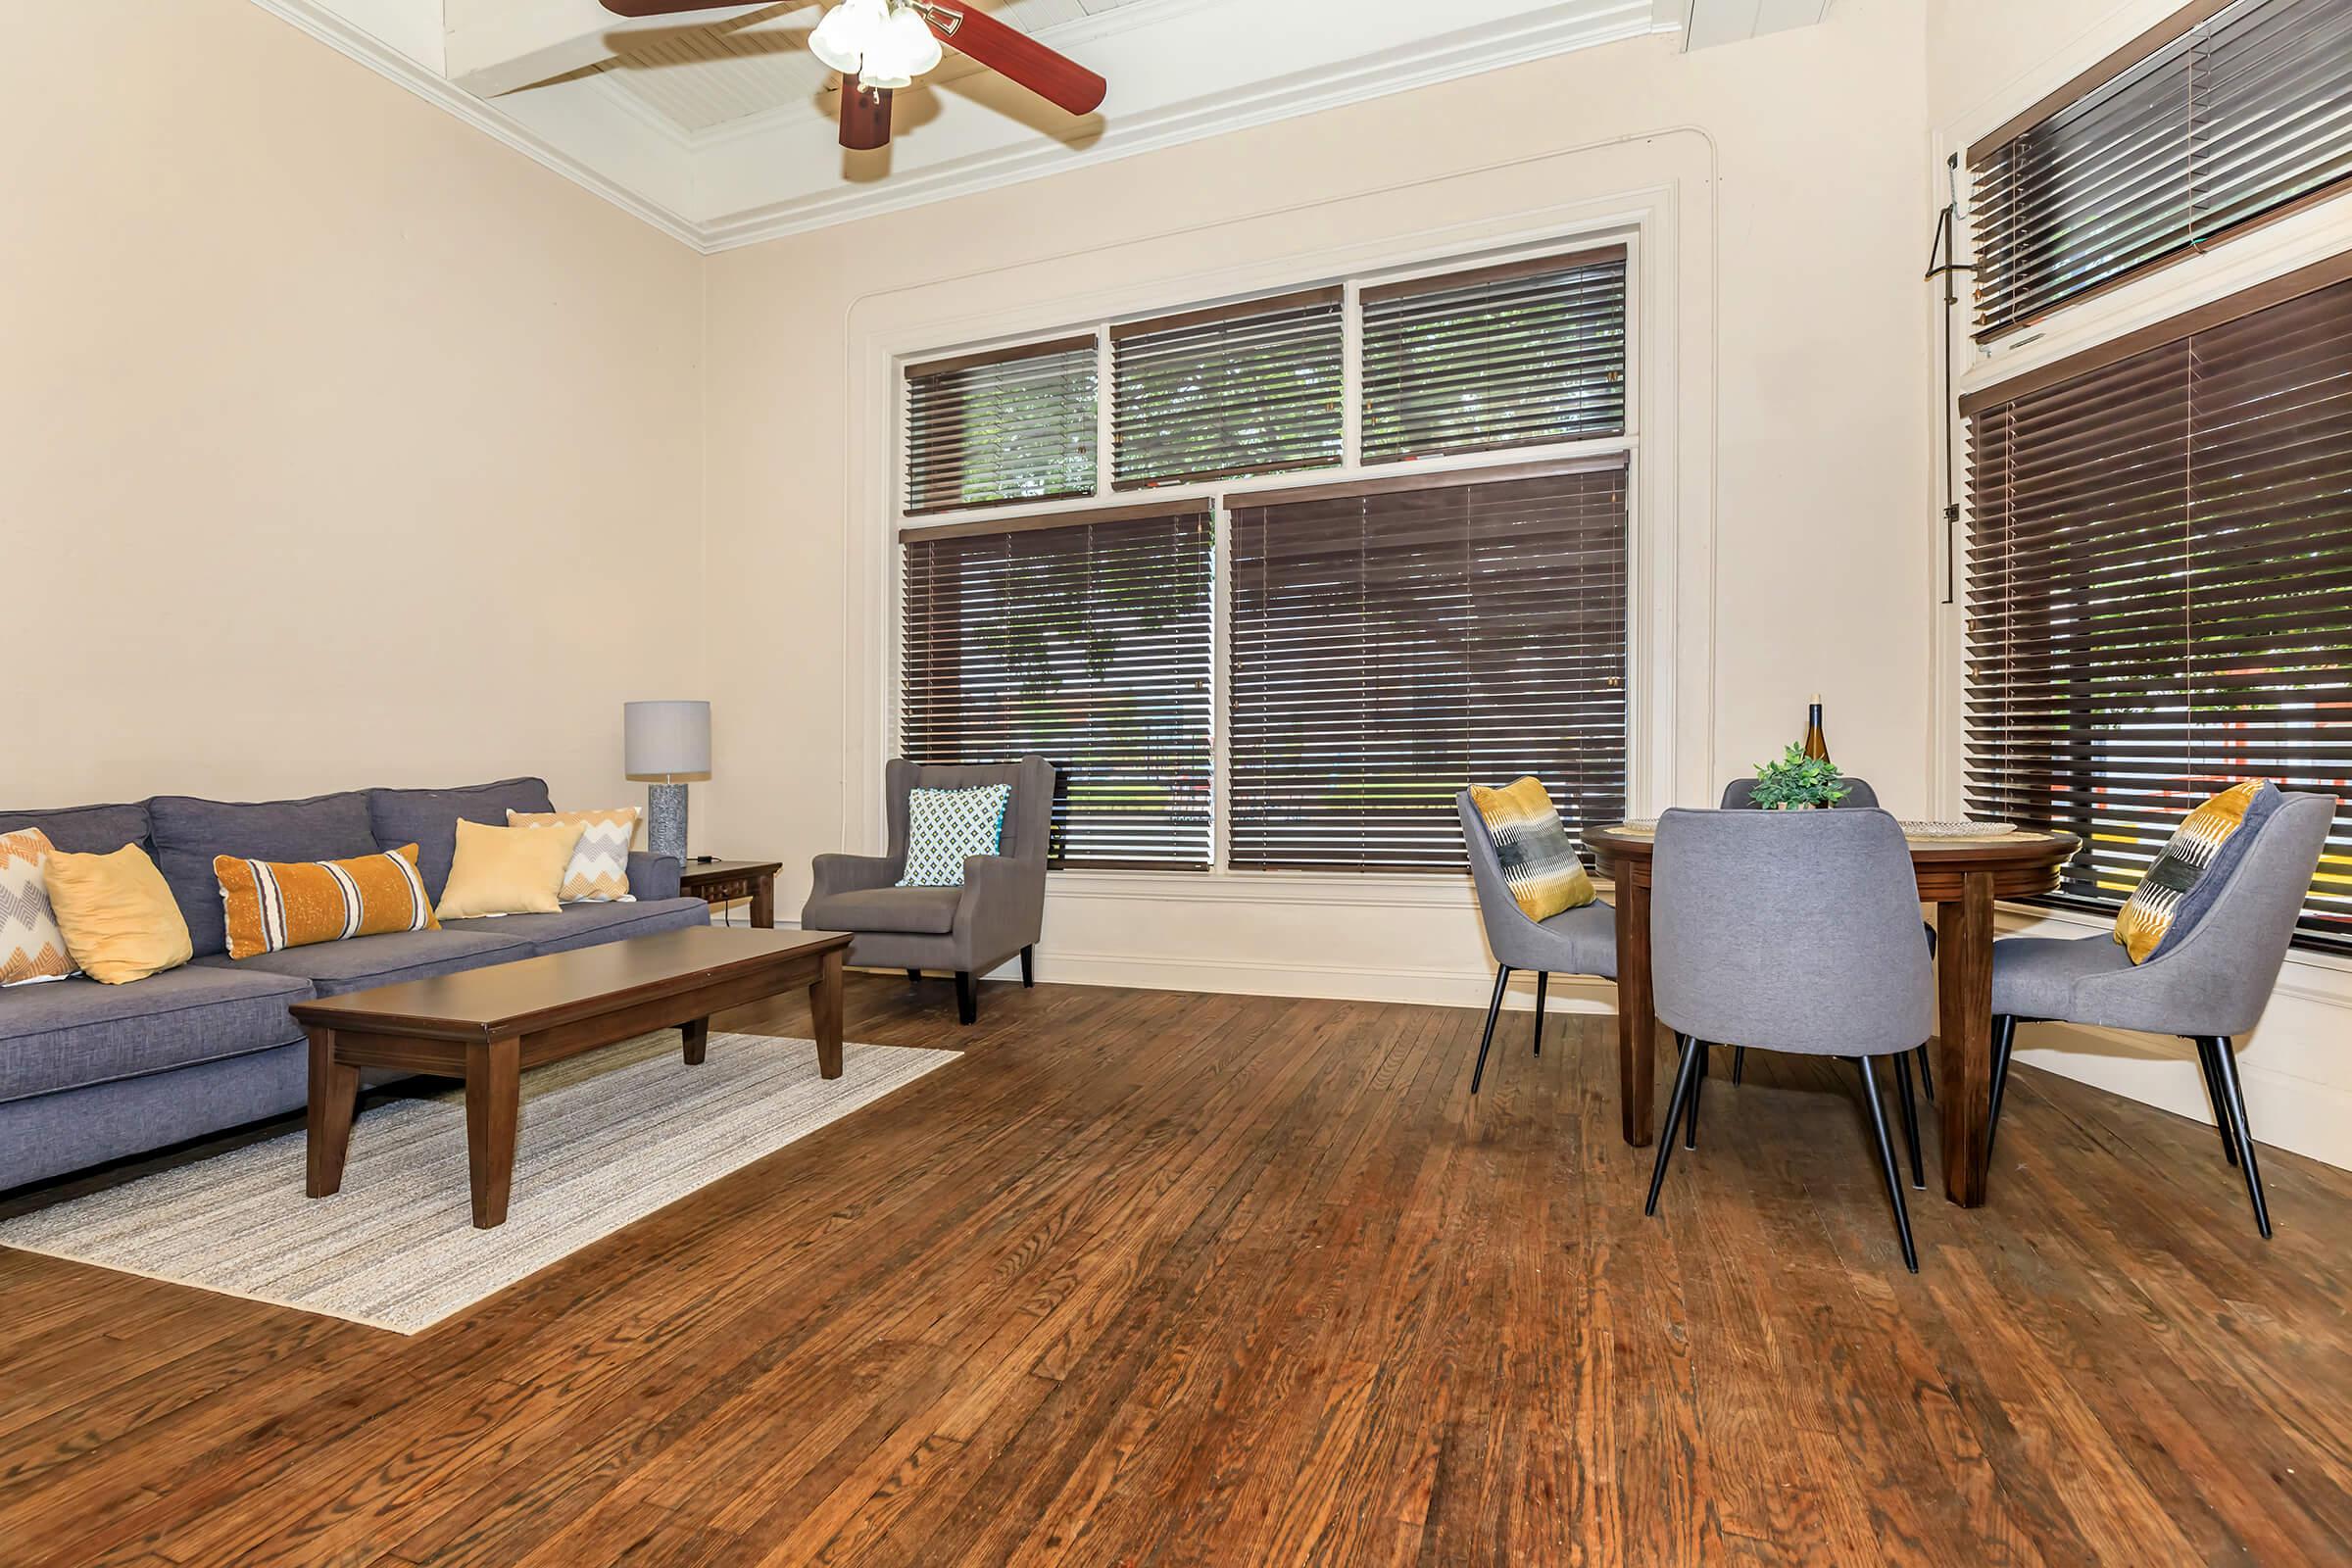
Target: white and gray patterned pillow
x,y
943,826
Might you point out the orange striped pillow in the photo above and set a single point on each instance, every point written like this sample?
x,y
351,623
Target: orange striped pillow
x,y
272,905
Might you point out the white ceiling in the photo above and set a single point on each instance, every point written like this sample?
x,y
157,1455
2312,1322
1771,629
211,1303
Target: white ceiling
x,y
722,131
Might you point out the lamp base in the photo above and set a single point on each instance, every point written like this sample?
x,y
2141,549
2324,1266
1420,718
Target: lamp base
x,y
666,819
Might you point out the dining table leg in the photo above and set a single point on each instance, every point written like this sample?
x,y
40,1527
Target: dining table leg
x,y
1637,1025
1964,1036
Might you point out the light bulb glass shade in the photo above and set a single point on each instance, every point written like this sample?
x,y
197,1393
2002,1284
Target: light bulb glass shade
x,y
909,45
883,81
849,30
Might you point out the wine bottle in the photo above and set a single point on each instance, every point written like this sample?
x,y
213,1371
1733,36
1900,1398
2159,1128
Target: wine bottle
x,y
1816,743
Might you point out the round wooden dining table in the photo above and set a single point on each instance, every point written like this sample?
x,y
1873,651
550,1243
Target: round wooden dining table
x,y
1961,877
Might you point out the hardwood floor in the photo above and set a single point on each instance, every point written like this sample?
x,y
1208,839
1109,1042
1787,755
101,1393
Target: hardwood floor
x,y
1155,1278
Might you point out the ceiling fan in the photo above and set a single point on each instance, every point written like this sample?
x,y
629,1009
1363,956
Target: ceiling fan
x,y
882,45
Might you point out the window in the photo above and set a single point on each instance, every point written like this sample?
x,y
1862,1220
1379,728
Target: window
x,y
1217,394
1089,643
2159,601
2216,119
1392,641
1420,579
1008,426
1508,355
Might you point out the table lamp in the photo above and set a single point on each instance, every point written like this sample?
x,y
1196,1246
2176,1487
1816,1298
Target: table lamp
x,y
668,744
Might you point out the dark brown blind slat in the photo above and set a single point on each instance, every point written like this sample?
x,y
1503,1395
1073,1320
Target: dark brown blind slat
x,y
1391,646
1498,358
2160,598
1090,643
1228,393
2237,118
1003,427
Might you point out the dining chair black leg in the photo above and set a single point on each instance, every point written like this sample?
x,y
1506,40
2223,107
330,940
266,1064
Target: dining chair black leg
x,y
2004,1042
1910,1109
1894,1183
914,977
1697,1082
1542,978
2225,1063
1738,1065
2213,1096
1503,977
1926,1073
1683,1079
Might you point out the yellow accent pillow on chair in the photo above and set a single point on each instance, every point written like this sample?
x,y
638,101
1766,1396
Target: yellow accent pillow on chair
x,y
271,906
1537,856
507,871
116,914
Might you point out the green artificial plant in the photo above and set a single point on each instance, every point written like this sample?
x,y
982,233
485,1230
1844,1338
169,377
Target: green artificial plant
x,y
1798,781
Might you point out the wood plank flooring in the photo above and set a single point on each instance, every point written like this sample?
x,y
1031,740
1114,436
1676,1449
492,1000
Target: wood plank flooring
x,y
1156,1278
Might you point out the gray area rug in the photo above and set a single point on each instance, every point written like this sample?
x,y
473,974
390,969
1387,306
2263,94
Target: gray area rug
x,y
607,1137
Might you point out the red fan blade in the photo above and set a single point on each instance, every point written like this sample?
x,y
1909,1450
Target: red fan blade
x,y
670,7
1013,54
864,116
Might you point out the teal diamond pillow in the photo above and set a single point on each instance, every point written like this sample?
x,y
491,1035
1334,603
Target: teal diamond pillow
x,y
943,826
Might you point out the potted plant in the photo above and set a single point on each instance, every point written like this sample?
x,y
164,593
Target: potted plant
x,y
1798,783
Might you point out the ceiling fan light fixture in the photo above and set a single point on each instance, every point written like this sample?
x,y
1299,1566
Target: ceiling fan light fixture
x,y
908,44
849,34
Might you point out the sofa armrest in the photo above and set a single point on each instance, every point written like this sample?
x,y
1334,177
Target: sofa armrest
x,y
654,876
1003,905
851,873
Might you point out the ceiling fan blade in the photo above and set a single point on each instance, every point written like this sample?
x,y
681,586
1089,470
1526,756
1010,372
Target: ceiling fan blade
x,y
864,116
1014,55
670,7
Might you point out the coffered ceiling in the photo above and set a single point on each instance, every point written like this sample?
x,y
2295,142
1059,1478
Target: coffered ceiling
x,y
718,127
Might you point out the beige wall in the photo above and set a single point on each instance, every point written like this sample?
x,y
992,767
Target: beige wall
x,y
1806,540
338,444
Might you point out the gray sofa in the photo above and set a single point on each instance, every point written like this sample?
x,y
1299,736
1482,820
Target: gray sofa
x,y
90,1073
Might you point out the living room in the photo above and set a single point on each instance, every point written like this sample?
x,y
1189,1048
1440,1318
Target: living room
x,y
1091,542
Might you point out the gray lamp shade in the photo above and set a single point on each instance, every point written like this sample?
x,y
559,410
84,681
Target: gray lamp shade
x,y
667,741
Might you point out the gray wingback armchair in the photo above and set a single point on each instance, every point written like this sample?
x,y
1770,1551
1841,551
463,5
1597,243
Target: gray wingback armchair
x,y
1573,942
998,913
2209,986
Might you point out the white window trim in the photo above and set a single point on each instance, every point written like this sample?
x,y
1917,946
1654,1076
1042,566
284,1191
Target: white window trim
x,y
1673,257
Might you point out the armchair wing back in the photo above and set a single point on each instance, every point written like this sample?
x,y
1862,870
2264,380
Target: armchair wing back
x,y
1028,819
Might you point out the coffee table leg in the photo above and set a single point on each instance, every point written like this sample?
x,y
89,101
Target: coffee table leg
x,y
334,1092
698,1039
492,1103
825,1012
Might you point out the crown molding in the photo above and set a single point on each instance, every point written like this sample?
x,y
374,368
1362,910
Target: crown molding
x,y
349,40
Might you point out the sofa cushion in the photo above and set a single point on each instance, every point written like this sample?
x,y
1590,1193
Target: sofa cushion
x,y
85,829
190,832
585,925
77,1032
335,967
927,911
428,818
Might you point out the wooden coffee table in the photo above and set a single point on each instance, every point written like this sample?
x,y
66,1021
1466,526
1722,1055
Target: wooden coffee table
x,y
486,1025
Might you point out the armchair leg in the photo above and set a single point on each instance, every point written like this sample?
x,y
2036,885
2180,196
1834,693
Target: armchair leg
x,y
914,977
1894,1183
1910,1109
2225,1066
2004,1043
1698,1081
1926,1073
1685,1080
1542,978
1028,968
1738,1065
2221,1104
1503,977
967,998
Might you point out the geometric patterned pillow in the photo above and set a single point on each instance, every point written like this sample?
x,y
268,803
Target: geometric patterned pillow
x,y
2187,875
943,826
31,948
599,872
1539,858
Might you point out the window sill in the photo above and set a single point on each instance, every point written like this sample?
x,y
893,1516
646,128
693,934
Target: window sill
x,y
1437,890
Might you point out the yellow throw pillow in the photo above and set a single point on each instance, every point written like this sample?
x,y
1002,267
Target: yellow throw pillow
x,y
116,914
599,872
1539,858
507,870
274,904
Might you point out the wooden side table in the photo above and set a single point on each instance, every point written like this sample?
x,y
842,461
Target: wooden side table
x,y
720,881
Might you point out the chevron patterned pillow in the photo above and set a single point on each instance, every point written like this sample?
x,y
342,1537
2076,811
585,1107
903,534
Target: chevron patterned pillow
x,y
599,872
943,826
31,948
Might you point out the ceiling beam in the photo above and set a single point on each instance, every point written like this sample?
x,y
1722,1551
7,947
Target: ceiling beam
x,y
497,46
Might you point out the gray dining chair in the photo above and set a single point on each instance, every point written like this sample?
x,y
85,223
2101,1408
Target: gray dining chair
x,y
1740,795
1573,942
2208,985
1794,931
